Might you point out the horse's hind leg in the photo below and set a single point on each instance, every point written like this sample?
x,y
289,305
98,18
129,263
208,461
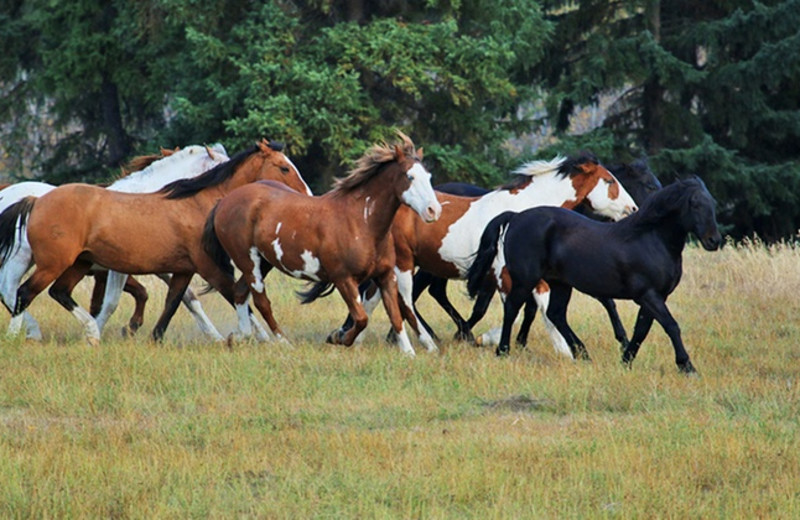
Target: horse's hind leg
x,y
541,293
191,302
61,291
438,289
11,273
527,320
348,288
424,280
512,302
405,287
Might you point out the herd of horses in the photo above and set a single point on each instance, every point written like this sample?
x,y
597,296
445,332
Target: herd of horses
x,y
612,233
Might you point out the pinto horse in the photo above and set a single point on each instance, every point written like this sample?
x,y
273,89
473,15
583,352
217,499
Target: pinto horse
x,y
446,249
338,239
143,174
637,179
76,225
550,250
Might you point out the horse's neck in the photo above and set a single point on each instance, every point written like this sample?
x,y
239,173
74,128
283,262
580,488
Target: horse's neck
x,y
668,228
159,174
375,206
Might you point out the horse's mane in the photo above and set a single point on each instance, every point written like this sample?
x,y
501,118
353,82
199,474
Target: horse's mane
x,y
218,174
369,163
560,165
664,201
141,162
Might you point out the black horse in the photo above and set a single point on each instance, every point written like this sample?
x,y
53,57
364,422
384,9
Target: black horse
x,y
638,258
638,180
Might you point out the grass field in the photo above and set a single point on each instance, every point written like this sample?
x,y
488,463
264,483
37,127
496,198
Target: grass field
x,y
192,429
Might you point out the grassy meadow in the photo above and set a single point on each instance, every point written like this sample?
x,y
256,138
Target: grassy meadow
x,y
190,428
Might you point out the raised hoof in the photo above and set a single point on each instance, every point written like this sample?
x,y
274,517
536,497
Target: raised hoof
x,y
335,337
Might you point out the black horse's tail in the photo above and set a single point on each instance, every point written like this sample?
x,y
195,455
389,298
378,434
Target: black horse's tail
x,y
487,250
213,247
14,217
317,290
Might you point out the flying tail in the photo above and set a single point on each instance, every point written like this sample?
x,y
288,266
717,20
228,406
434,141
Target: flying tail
x,y
13,226
487,250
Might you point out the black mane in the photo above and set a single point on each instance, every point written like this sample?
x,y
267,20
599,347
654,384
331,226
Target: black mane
x,y
666,200
183,188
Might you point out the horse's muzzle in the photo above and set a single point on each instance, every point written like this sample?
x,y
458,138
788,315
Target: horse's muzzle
x,y
712,242
432,213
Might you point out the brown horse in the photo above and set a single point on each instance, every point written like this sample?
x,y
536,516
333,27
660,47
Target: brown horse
x,y
340,238
76,225
447,248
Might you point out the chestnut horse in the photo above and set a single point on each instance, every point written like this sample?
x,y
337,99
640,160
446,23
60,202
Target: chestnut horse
x,y
340,238
143,174
543,253
447,248
76,225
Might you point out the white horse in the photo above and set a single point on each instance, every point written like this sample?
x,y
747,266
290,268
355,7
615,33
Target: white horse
x,y
186,163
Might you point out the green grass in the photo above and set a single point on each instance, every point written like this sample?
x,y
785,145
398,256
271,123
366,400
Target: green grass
x,y
192,429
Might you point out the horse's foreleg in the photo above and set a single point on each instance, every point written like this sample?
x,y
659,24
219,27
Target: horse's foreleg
x,y
348,288
177,286
61,291
370,297
389,294
644,320
405,287
190,300
422,281
438,290
657,307
481,303
616,323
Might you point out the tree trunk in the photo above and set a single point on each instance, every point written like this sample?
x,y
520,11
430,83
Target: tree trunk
x,y
652,102
119,146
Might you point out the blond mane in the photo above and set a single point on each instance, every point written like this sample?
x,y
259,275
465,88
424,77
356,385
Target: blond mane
x,y
369,163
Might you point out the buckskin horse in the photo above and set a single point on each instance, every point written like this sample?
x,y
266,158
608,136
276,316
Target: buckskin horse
x,y
337,239
543,253
143,174
76,225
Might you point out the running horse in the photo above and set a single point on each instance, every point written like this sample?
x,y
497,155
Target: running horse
x,y
335,240
447,248
143,174
543,253
76,225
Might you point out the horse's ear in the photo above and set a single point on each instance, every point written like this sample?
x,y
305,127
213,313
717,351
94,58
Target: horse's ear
x,y
420,153
263,145
209,152
399,153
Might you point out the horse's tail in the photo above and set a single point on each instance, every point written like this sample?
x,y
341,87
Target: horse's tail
x,y
317,290
487,250
213,247
13,225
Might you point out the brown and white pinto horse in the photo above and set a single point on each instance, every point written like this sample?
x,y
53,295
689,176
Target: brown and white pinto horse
x,y
340,238
447,248
76,225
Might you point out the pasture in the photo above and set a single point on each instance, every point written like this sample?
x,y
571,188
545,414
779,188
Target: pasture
x,y
190,428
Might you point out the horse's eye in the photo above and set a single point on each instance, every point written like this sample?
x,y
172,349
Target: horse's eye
x,y
609,181
410,177
284,169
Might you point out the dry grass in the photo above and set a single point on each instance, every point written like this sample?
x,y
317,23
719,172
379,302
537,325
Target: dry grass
x,y
190,429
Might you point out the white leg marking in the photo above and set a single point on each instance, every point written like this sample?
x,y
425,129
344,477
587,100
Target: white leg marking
x,y
404,343
114,286
405,287
243,312
255,257
559,343
89,325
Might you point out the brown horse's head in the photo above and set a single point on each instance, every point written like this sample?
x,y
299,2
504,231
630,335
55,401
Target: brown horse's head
x,y
272,164
598,187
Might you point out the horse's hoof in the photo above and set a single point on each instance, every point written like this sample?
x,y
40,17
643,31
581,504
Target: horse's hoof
x,y
502,352
479,341
229,341
687,369
391,337
93,342
464,335
335,337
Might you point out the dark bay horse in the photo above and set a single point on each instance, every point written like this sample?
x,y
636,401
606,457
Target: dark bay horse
x,y
637,179
337,239
76,225
550,251
446,248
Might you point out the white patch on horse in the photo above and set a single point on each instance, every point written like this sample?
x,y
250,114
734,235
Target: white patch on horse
x,y
367,209
255,257
308,190
278,227
546,188
310,265
276,246
499,261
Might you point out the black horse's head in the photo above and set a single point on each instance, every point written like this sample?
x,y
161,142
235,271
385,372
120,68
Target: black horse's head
x,y
638,179
699,214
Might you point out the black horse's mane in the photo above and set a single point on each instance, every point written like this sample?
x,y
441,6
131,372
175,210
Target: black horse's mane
x,y
568,167
668,199
183,188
